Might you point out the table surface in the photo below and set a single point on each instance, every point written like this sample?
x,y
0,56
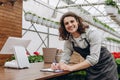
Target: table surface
x,y
31,73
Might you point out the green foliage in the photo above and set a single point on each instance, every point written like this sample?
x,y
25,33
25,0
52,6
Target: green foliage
x,y
34,58
104,25
117,62
118,11
111,2
31,58
78,75
118,66
113,39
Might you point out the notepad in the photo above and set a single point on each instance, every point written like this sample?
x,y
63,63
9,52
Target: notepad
x,y
50,70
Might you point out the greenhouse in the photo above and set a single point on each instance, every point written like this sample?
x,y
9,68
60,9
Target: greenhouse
x,y
60,39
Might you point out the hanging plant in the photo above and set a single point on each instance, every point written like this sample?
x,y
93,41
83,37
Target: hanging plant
x,y
34,18
105,25
111,3
56,25
48,23
44,21
39,20
118,11
113,39
111,7
28,16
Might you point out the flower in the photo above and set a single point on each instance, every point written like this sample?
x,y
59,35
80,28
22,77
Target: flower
x,y
36,53
116,54
32,58
35,58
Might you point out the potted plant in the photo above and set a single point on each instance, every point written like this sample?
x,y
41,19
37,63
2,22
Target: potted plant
x,y
49,22
34,18
56,25
28,16
111,7
118,16
44,21
39,20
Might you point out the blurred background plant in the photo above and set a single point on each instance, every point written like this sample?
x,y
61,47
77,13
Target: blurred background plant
x,y
36,57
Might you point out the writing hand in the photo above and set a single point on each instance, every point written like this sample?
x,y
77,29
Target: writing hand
x,y
55,66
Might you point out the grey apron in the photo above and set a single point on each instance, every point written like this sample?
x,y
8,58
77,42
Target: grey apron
x,y
105,69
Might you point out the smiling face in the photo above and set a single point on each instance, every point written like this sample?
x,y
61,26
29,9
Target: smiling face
x,y
71,25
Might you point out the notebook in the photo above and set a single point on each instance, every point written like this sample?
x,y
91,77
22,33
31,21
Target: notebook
x,y
50,70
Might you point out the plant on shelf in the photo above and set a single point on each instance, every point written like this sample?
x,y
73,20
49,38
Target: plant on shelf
x,y
118,11
39,20
34,18
111,7
113,39
28,16
111,3
118,16
104,25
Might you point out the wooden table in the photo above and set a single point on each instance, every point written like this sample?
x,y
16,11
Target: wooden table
x,y
31,73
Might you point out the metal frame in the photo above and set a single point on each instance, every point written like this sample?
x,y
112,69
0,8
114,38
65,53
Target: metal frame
x,y
71,4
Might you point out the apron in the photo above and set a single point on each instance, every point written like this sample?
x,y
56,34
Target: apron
x,y
105,69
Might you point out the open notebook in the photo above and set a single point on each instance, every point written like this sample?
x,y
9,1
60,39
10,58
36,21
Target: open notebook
x,y
50,70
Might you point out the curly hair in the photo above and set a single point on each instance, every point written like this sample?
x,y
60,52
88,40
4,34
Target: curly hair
x,y
63,34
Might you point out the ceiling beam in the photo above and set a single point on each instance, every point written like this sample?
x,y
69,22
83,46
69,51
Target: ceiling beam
x,y
74,5
79,7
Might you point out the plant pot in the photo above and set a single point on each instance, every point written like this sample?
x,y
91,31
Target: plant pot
x,y
28,16
56,26
110,10
39,20
44,22
118,17
53,24
49,23
34,18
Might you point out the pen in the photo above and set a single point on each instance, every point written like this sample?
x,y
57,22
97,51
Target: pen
x,y
56,70
54,62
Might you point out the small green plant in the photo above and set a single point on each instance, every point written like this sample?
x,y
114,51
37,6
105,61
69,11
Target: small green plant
x,y
104,25
35,58
111,2
118,11
113,39
32,58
